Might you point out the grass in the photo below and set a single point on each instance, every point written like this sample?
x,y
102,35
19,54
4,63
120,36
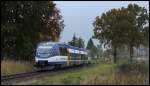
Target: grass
x,y
123,73
13,67
76,77
98,74
135,73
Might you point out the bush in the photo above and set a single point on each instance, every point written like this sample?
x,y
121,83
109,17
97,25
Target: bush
x,y
134,66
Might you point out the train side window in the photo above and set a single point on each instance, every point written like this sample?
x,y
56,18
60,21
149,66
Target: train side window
x,y
74,56
83,57
63,51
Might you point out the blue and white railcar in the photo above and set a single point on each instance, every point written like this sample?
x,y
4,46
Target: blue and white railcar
x,y
59,54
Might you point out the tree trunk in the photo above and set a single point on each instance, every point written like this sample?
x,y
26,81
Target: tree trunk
x,y
115,54
131,52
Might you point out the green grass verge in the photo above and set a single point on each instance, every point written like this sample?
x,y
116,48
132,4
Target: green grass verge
x,y
80,76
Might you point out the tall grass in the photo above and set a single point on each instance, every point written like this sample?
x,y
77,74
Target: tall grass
x,y
122,73
13,67
100,74
134,73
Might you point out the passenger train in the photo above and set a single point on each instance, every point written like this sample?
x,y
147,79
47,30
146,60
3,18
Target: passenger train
x,y
59,54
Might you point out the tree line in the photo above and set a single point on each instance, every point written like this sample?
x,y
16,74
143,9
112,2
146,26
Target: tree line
x,y
26,23
93,51
77,42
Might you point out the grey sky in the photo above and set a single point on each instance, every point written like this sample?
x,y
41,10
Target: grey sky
x,y
79,15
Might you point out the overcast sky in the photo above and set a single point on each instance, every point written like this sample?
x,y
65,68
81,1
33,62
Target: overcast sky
x,y
79,15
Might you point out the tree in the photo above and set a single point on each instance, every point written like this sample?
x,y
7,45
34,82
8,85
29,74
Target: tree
x,y
90,44
111,28
73,42
146,36
137,35
26,23
91,48
81,43
119,27
77,42
99,50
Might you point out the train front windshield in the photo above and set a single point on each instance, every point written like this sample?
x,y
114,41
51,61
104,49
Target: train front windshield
x,y
45,51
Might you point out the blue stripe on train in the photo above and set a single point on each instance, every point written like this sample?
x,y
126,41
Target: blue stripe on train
x,y
64,62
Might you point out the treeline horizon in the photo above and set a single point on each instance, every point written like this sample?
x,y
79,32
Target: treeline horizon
x,y
26,23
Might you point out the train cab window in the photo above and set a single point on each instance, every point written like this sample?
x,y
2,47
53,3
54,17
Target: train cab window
x,y
63,51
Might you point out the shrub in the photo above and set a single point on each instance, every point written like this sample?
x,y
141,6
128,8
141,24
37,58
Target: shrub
x,y
134,66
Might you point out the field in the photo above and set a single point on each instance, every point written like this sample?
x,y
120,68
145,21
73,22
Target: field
x,y
122,73
99,74
13,67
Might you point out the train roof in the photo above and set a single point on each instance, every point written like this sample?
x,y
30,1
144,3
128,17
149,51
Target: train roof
x,y
61,44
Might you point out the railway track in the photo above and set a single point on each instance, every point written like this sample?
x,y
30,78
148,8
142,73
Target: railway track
x,y
36,74
28,74
13,76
